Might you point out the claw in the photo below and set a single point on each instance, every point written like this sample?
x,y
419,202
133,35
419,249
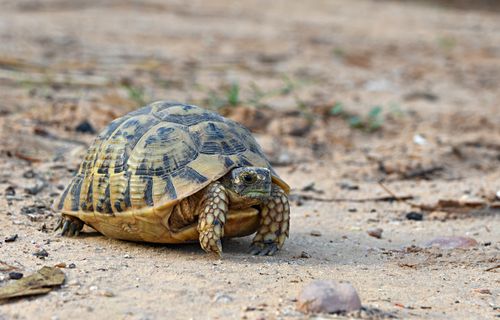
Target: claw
x,y
65,227
254,250
72,229
59,224
263,249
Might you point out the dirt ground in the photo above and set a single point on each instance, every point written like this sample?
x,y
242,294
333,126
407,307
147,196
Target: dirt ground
x,y
341,94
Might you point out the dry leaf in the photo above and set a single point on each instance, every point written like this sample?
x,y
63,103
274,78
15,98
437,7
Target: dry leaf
x,y
40,282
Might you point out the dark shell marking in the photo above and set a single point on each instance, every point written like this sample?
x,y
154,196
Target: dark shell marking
x,y
158,153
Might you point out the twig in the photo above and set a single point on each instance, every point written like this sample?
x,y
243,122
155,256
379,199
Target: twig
x,y
493,268
443,204
422,173
398,198
377,199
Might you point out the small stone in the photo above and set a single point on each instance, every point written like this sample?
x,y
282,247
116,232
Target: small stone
x,y
85,127
297,126
15,275
10,191
93,288
418,139
315,233
30,174
304,255
127,256
452,242
74,282
11,238
483,291
72,265
348,186
375,232
106,293
41,253
222,298
328,296
60,265
417,216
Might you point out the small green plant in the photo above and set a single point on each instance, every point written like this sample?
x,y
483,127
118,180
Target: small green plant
x,y
338,52
233,95
373,121
447,43
288,87
136,94
337,109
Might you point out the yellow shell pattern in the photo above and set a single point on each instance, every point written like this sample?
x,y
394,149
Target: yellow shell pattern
x,y
157,155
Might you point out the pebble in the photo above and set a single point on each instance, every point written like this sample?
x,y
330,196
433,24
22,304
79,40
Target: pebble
x,y
15,275
10,191
85,127
417,216
127,256
294,126
41,253
483,291
72,265
60,265
106,293
304,255
315,233
74,282
222,298
452,242
375,232
11,238
327,296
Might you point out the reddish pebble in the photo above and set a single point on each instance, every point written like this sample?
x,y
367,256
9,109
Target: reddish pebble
x,y
452,242
375,232
326,296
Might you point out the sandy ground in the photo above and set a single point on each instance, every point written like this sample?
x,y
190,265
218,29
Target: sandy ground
x,y
303,72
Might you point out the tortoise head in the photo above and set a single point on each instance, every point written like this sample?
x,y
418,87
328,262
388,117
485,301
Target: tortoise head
x,y
251,182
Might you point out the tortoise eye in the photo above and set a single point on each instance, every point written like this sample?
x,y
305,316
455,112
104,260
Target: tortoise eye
x,y
248,178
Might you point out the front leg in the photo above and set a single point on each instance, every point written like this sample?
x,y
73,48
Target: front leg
x,y
212,216
274,224
70,226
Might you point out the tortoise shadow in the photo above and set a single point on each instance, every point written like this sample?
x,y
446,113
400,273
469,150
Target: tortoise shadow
x,y
300,249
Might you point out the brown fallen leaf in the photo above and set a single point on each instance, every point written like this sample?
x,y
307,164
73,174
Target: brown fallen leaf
x,y
40,282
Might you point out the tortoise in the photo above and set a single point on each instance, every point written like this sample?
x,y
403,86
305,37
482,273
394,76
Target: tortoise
x,y
174,173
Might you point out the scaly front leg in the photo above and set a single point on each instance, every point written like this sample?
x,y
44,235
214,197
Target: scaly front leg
x,y
71,226
274,224
212,216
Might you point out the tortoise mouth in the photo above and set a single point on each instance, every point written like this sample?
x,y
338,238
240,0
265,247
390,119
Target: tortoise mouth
x,y
257,195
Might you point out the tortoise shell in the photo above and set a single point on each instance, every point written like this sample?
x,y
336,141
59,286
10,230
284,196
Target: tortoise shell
x,y
157,156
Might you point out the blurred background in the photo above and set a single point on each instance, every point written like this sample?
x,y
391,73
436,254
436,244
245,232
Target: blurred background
x,y
333,69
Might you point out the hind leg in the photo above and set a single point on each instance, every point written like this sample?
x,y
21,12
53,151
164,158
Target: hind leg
x,y
69,225
274,224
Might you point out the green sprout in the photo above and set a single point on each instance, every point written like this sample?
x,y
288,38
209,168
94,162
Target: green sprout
x,y
233,95
136,94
